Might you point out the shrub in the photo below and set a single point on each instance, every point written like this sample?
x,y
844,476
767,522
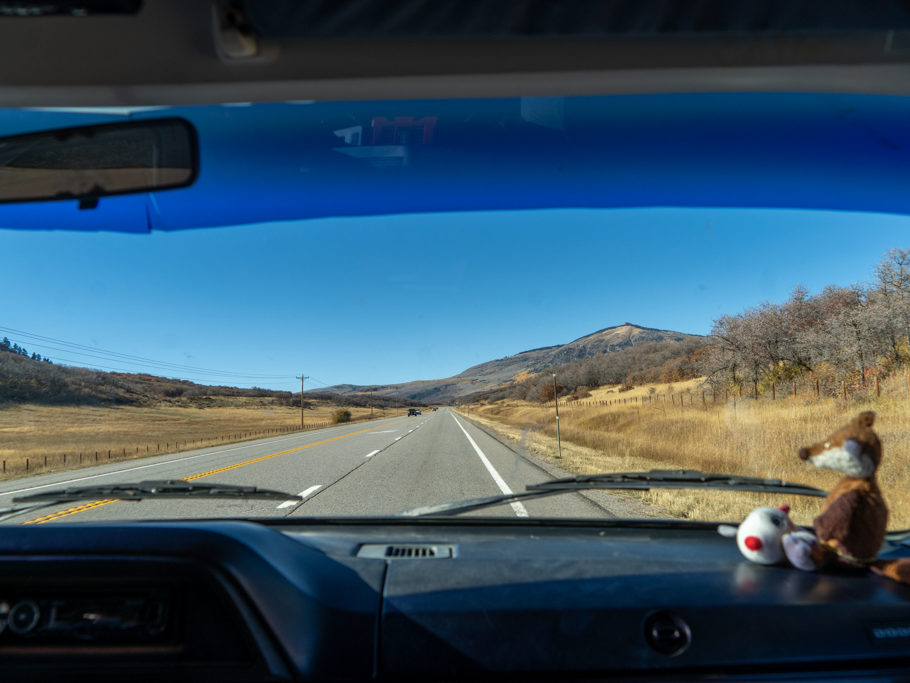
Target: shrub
x,y
341,415
547,392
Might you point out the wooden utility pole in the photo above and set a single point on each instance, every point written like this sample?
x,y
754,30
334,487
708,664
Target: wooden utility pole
x,y
556,399
301,378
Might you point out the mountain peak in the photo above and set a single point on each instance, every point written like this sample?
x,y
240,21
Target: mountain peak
x,y
525,363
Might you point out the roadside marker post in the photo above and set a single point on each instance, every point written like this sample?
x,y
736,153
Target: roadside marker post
x,y
556,400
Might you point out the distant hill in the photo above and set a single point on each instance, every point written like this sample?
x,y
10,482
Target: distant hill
x,y
496,373
29,378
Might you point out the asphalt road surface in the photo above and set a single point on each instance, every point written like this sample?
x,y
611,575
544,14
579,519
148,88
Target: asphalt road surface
x,y
383,468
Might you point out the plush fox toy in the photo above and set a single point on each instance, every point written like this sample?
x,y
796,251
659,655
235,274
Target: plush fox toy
x,y
851,528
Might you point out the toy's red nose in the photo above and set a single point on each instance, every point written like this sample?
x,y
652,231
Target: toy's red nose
x,y
784,508
753,542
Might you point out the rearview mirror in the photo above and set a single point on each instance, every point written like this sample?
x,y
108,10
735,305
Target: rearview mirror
x,y
88,162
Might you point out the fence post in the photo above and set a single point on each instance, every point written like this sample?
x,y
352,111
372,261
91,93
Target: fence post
x,y
26,464
794,388
45,461
817,389
773,392
704,402
843,388
755,390
878,391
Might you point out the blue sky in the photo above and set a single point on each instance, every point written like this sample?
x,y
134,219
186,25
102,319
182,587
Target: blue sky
x,y
395,298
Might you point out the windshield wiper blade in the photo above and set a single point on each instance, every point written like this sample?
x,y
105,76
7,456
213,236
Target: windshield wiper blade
x,y
171,488
677,479
655,479
140,491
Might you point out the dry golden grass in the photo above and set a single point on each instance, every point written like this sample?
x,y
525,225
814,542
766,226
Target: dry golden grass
x,y
44,433
755,438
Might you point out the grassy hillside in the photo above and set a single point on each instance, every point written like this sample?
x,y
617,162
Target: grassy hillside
x,y
636,431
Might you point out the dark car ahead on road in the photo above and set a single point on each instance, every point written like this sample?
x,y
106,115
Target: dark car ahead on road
x,y
413,411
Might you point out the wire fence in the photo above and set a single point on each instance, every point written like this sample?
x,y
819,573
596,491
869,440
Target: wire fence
x,y
54,461
773,391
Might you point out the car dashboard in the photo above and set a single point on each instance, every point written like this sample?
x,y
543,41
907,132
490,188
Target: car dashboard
x,y
433,599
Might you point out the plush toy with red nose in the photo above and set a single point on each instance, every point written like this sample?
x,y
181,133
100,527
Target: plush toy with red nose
x,y
761,535
850,530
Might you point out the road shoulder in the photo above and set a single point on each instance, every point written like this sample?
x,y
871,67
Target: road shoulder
x,y
616,504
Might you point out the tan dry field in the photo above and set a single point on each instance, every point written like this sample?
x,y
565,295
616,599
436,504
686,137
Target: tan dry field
x,y
755,438
42,434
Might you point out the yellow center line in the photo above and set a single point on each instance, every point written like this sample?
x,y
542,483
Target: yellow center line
x,y
108,501
71,511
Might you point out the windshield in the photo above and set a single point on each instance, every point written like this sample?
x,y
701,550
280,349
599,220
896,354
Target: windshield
x,y
380,306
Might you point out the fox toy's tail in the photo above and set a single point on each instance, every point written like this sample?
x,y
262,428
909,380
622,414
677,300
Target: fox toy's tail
x,y
899,570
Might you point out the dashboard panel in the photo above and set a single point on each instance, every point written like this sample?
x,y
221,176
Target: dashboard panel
x,y
431,600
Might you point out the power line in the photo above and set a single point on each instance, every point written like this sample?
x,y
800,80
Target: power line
x,y
38,340
116,355
318,381
79,365
162,367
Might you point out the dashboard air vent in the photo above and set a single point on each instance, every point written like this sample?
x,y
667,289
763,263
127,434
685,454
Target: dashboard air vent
x,y
405,551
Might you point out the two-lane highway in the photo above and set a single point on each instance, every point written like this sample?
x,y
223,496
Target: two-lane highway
x,y
380,468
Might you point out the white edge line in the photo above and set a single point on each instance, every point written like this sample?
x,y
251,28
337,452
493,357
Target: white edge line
x,y
519,509
370,455
302,494
127,469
